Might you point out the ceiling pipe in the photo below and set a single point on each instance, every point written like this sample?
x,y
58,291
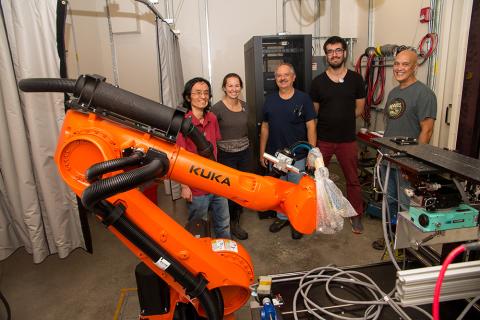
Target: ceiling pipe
x,y
284,16
370,23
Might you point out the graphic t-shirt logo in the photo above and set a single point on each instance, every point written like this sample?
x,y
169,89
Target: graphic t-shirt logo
x,y
396,108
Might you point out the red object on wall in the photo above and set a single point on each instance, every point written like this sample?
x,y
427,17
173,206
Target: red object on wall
x,y
425,14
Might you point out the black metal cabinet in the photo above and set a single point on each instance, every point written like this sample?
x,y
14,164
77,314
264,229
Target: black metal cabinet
x,y
262,55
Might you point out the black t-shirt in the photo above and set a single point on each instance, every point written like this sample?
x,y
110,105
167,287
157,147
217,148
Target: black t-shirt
x,y
336,116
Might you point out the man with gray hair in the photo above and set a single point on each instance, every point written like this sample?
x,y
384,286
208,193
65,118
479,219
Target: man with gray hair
x,y
288,117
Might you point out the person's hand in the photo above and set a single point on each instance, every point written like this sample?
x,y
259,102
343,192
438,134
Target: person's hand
x,y
263,161
186,193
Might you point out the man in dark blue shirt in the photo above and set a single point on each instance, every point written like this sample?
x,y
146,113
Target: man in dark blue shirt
x,y
288,117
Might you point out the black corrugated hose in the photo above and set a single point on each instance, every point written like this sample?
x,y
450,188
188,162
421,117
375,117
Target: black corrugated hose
x,y
47,85
97,170
122,182
195,286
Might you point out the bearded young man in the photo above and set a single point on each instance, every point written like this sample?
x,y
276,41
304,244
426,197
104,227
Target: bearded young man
x,y
338,97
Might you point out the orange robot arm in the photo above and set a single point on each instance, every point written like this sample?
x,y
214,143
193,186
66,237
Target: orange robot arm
x,y
107,122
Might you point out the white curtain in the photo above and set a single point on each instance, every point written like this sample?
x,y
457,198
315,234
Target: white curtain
x,y
37,210
171,66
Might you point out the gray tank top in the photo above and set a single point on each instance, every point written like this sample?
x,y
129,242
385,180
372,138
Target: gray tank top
x,y
233,127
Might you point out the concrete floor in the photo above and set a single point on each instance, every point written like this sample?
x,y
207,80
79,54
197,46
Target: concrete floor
x,y
89,286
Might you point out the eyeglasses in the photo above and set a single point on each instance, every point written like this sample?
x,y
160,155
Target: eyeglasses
x,y
337,51
201,93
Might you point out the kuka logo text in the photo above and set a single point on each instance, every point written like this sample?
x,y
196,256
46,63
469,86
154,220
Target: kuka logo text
x,y
210,175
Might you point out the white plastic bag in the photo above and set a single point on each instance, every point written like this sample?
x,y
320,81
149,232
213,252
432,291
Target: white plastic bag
x,y
332,207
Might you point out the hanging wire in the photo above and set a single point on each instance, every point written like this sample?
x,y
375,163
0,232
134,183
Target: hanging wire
x,y
74,37
159,59
427,47
112,45
375,77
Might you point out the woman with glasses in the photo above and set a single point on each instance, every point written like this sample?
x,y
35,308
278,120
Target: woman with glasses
x,y
234,148
196,98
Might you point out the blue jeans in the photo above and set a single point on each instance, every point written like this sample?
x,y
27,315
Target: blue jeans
x,y
396,198
199,206
294,178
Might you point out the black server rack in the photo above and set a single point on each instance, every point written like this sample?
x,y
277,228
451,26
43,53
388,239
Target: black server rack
x,y
262,55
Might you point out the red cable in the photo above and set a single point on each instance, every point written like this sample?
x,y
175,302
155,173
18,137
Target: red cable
x,y
379,82
438,286
373,83
382,83
369,80
358,65
358,69
383,77
425,54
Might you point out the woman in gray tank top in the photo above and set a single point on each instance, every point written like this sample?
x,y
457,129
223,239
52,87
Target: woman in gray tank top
x,y
234,148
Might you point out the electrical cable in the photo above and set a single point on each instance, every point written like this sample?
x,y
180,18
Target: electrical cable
x,y
358,64
387,233
159,58
379,85
371,285
438,285
302,145
397,201
431,40
382,188
434,27
345,277
368,88
356,281
374,78
309,304
113,49
379,82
